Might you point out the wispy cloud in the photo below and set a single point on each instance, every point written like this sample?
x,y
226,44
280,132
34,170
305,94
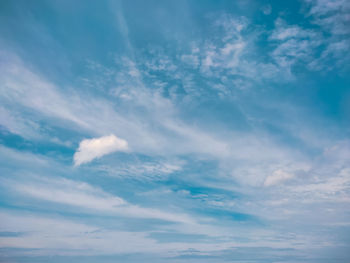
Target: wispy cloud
x,y
204,132
332,16
84,196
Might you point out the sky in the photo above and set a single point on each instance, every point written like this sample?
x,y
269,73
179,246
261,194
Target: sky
x,y
175,131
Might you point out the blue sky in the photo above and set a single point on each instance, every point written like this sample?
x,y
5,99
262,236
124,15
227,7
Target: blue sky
x,y
175,131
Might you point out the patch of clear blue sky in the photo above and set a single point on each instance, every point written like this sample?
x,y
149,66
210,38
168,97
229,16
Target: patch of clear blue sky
x,y
236,114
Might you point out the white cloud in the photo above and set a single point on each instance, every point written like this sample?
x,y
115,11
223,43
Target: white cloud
x,y
145,130
86,197
228,52
293,44
332,189
71,193
57,236
332,16
141,170
90,149
278,176
60,235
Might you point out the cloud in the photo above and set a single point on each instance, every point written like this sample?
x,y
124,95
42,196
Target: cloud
x,y
86,197
57,234
278,176
141,170
90,149
69,192
332,16
60,236
155,129
293,45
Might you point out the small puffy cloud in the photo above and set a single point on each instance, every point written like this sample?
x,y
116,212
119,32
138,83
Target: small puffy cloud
x,y
90,149
277,177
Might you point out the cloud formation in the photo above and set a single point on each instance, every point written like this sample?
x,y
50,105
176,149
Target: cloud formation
x,y
233,121
86,197
90,149
277,177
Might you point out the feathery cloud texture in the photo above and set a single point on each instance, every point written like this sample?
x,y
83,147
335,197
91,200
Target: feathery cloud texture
x,y
229,129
